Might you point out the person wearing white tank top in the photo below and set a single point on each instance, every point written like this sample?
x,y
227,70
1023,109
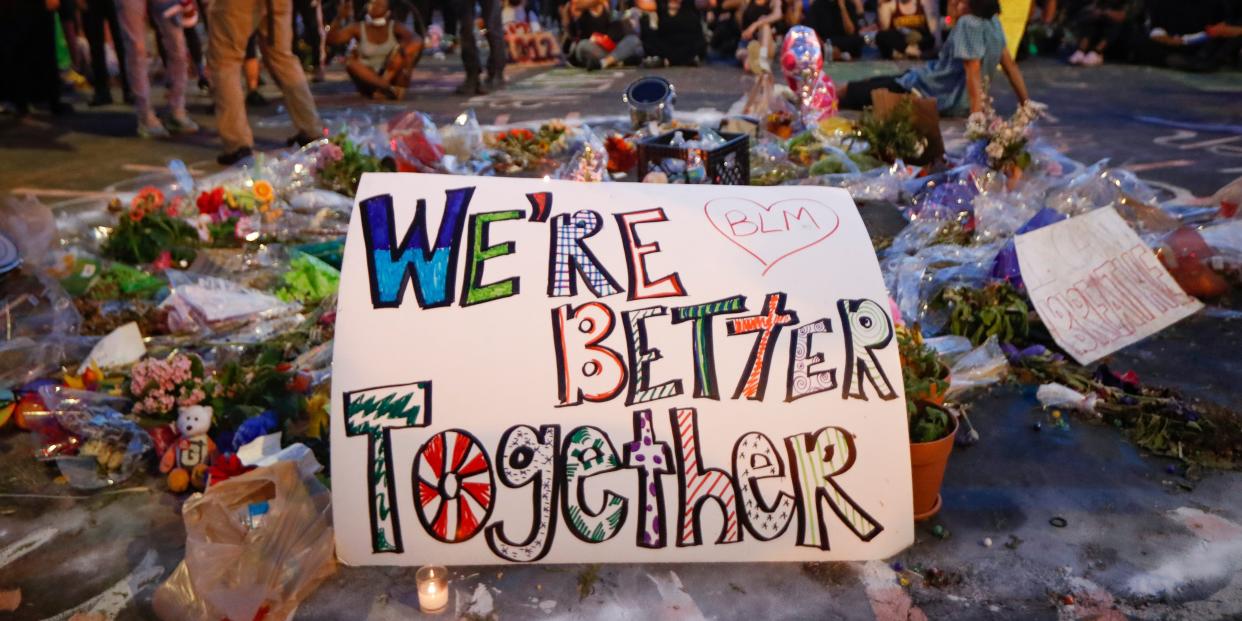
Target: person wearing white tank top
x,y
385,54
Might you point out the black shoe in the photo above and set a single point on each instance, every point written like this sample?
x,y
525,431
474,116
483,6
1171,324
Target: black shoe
x,y
496,82
654,62
470,87
59,108
301,139
204,85
101,99
128,98
253,98
594,64
233,157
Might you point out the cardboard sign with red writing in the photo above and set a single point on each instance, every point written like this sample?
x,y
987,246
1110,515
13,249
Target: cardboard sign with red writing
x,y
547,371
1097,286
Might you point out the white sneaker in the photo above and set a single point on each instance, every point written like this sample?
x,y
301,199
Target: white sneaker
x,y
151,128
1076,57
1092,59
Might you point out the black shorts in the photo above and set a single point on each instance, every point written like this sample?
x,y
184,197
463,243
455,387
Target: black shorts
x,y
858,94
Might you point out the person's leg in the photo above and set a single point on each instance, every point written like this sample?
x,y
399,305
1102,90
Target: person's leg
x,y
285,68
856,95
109,8
365,79
93,26
232,22
587,53
629,50
176,64
133,17
469,48
890,41
194,47
848,44
448,13
497,56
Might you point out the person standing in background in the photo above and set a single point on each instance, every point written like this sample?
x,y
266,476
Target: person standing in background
x,y
836,22
28,71
230,24
311,13
470,48
133,16
100,13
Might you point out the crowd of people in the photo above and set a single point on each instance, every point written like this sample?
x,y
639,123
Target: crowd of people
x,y
218,45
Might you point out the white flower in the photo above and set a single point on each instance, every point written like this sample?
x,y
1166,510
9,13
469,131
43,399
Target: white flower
x,y
995,150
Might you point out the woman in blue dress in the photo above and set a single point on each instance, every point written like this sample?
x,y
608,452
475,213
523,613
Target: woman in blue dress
x,y
958,78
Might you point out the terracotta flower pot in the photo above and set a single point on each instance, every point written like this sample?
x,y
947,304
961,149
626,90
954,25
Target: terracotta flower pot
x,y
928,461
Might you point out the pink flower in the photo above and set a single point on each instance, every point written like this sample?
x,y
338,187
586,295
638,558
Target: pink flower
x,y
329,154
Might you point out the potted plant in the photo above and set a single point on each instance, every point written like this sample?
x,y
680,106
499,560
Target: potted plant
x,y
932,424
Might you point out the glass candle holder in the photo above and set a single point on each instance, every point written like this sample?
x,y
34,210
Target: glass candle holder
x,y
433,591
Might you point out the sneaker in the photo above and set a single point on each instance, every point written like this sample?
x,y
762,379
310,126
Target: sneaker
x,y
594,64
152,128
181,124
233,157
1092,59
1076,58
496,82
300,139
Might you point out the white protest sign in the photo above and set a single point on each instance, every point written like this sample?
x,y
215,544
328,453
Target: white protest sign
x,y
530,370
1097,286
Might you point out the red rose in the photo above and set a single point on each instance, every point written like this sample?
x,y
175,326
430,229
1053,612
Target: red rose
x,y
209,202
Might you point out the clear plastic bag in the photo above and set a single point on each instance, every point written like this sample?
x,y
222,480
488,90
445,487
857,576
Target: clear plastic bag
x,y
416,143
206,304
92,443
30,225
589,161
983,366
256,546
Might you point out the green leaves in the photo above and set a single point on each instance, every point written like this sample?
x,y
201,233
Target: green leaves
x,y
997,309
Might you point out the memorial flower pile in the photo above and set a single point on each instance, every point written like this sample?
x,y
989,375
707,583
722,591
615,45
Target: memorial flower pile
x,y
1003,141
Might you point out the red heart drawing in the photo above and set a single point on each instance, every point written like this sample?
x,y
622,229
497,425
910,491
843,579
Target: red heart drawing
x,y
772,232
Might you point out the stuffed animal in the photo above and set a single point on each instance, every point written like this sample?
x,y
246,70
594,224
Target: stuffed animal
x,y
186,461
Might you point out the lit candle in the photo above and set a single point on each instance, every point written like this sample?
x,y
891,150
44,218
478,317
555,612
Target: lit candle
x,y
432,588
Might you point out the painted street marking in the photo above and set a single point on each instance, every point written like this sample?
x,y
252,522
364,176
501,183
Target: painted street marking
x,y
25,545
111,602
888,599
1201,127
1217,554
1137,168
58,193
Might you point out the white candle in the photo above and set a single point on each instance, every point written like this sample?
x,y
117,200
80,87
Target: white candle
x,y
432,588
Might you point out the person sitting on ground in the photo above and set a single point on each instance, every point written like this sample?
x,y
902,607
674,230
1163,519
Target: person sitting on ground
x,y
386,54
1101,26
905,30
836,22
1192,35
758,19
598,40
672,32
722,26
959,77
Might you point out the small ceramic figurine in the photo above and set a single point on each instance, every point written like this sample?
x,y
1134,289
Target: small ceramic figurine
x,y
187,459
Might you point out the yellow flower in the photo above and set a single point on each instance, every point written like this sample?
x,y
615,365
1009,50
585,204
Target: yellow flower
x,y
263,192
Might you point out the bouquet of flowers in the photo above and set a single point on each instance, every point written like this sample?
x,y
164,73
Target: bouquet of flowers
x,y
231,216
150,229
521,149
892,136
1003,141
342,162
159,387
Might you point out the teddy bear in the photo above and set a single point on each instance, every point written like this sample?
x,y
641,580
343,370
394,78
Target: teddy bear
x,y
186,460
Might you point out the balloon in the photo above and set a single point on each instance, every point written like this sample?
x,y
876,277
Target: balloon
x,y
802,60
